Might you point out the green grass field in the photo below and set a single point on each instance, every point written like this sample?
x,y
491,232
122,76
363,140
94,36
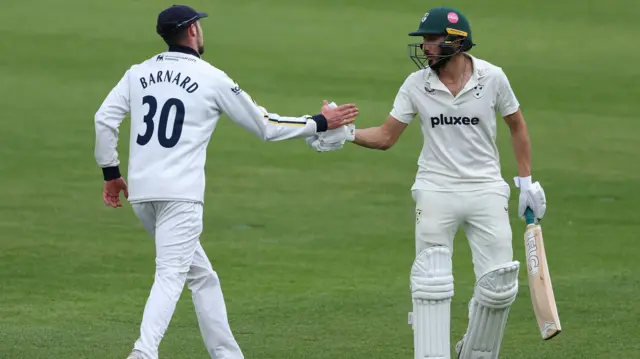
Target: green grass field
x,y
313,250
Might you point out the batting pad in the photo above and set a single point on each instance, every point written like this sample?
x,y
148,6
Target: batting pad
x,y
431,291
493,295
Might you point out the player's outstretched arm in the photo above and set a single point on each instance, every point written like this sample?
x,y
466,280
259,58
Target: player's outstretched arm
x,y
243,110
385,136
381,137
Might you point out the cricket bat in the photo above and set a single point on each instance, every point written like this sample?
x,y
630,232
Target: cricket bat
x,y
544,303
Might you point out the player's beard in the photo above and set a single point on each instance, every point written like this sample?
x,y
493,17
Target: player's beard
x,y
438,64
442,59
200,41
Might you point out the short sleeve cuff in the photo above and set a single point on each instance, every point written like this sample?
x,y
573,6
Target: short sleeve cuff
x,y
404,118
510,110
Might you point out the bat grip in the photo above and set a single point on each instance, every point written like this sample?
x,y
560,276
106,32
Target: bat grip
x,y
528,216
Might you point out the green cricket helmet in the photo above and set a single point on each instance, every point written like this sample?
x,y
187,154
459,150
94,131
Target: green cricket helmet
x,y
447,22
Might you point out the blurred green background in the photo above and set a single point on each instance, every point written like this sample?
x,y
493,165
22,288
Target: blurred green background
x,y
313,250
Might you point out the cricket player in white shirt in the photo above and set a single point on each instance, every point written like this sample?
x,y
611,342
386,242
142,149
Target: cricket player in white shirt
x,y
458,184
175,100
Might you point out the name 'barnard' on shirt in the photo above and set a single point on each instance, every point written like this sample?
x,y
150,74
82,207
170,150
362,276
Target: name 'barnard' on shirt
x,y
168,76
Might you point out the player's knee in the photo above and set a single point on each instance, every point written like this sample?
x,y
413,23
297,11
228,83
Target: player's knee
x,y
498,286
172,265
203,277
432,275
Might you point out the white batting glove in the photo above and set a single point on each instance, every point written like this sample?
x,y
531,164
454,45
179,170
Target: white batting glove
x,y
532,196
332,140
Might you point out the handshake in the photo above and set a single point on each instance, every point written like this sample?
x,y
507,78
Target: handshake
x,y
340,128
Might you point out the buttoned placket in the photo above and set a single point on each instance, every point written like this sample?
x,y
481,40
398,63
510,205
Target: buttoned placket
x,y
435,84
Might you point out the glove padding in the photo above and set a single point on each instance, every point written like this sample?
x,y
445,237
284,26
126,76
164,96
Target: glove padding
x,y
332,140
532,196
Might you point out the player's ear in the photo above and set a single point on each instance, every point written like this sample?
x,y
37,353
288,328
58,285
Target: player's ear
x,y
193,29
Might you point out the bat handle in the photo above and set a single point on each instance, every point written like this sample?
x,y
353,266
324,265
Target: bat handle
x,y
528,216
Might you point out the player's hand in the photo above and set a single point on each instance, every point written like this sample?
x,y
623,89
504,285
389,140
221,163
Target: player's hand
x,y
332,140
111,193
340,115
532,196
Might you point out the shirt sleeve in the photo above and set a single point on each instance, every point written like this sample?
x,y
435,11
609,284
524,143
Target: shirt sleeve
x,y
107,119
245,112
506,101
403,108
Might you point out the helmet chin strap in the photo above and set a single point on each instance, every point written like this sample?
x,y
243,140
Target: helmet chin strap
x,y
447,54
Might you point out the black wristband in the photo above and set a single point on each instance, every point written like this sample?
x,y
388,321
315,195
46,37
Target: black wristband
x,y
321,123
111,173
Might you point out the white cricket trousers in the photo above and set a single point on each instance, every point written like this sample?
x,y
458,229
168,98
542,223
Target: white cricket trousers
x,y
483,215
176,228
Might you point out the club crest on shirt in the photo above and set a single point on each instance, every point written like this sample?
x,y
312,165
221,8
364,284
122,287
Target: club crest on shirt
x,y
478,91
427,87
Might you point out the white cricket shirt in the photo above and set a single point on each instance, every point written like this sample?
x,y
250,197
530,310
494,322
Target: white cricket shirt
x,y
459,151
175,100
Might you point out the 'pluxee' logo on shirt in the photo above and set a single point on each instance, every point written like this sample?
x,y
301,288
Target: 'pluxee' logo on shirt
x,y
453,120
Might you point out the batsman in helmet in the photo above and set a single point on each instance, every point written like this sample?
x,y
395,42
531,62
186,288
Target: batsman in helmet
x,y
456,97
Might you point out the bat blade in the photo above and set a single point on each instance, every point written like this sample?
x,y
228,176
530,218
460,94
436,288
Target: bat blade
x,y
540,287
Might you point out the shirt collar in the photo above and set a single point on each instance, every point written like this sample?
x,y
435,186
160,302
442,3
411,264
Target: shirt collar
x,y
184,49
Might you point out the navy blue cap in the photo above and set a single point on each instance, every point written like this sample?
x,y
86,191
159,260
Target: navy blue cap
x,y
177,17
